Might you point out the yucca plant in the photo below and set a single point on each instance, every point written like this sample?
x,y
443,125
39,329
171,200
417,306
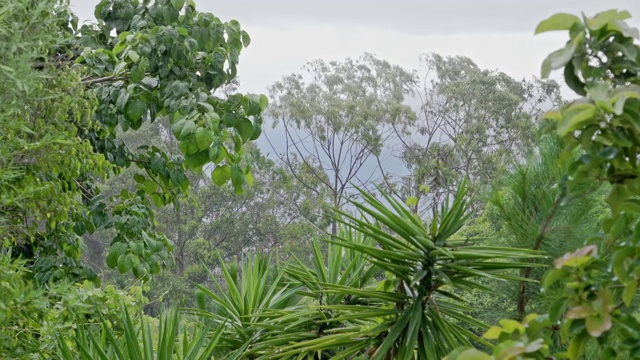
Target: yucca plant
x,y
332,285
173,339
249,306
415,310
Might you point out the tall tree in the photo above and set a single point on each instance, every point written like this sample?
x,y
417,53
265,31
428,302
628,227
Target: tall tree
x,y
338,116
471,123
71,92
528,209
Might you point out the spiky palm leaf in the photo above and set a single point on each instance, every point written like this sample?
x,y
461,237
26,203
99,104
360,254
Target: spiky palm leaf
x,y
173,341
249,306
413,313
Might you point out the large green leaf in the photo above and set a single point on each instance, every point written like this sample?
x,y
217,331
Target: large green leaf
x,y
221,174
557,59
560,21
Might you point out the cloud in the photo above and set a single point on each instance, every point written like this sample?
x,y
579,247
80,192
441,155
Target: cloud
x,y
416,17
496,34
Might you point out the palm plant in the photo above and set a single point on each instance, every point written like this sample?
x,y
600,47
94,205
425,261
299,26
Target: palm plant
x,y
334,286
136,342
415,311
247,307
389,287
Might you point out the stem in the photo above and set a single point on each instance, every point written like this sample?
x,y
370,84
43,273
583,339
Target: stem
x,y
521,300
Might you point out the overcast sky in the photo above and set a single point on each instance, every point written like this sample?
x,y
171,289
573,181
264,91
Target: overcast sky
x,y
496,34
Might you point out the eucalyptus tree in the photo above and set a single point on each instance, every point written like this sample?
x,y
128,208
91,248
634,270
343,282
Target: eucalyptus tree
x,y
338,117
472,122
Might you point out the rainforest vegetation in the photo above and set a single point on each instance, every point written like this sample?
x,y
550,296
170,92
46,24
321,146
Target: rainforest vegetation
x,y
449,211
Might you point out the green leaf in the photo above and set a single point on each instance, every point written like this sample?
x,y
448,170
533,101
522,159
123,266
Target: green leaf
x,y
133,55
560,21
221,174
493,333
124,263
197,160
157,164
136,74
246,40
412,201
625,29
134,111
245,129
264,102
616,197
608,17
182,30
575,117
150,82
556,310
157,199
552,276
629,292
577,344
237,178
177,127
249,177
509,349
573,80
112,259
621,94
598,324
204,138
121,45
123,98
150,186
257,131
557,59
511,326
468,354
188,128
177,4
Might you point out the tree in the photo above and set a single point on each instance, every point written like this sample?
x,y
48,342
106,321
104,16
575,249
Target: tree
x,y
74,91
341,119
527,209
276,214
471,123
44,162
598,282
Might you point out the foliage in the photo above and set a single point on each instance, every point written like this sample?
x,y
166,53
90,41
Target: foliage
x,y
276,213
170,64
43,161
72,92
341,118
472,122
245,307
528,209
31,316
598,281
173,340
349,308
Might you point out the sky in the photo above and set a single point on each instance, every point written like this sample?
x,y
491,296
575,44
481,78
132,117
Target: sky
x,y
496,34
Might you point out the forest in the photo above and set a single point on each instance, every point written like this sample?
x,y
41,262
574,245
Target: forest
x,y
356,210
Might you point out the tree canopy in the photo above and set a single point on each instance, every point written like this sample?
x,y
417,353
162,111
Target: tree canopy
x,y
131,182
84,87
